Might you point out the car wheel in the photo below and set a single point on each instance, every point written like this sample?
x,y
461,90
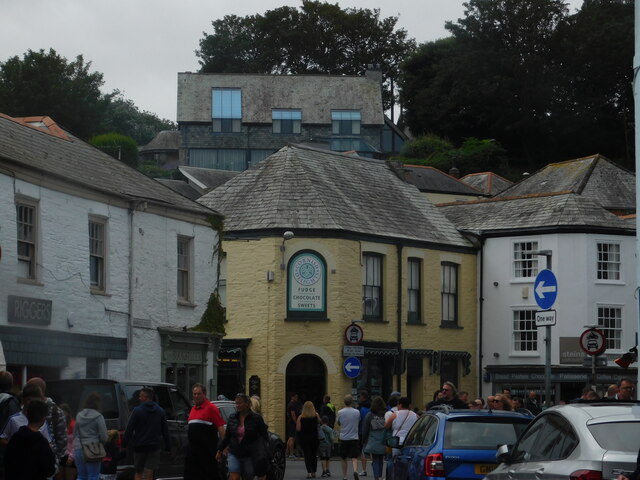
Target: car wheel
x,y
278,464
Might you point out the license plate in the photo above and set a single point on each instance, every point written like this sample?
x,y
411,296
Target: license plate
x,y
484,468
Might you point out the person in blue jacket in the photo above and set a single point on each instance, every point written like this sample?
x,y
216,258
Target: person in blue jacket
x,y
146,430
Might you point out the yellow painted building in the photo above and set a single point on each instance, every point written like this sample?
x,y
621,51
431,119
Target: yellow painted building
x,y
322,247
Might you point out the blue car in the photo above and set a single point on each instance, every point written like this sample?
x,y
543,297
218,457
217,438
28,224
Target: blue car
x,y
456,444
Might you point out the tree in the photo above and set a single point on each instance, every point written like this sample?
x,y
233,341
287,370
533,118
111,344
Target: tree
x,y
122,147
318,37
122,116
47,84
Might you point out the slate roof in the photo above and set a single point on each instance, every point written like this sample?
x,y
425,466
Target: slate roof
x,y
181,187
593,177
430,179
164,140
303,188
487,182
77,162
535,213
207,178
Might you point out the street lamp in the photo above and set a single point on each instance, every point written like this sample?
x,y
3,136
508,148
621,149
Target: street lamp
x,y
288,235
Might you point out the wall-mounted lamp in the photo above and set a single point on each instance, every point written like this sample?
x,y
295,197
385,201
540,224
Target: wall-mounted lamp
x,y
288,235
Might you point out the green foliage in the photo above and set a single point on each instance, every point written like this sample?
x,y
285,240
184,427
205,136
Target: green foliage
x,y
318,37
546,84
474,155
47,84
118,146
154,171
124,117
212,319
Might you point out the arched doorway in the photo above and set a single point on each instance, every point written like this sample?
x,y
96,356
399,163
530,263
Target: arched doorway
x,y
307,376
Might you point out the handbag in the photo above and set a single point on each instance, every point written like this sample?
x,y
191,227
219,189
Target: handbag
x,y
393,441
93,452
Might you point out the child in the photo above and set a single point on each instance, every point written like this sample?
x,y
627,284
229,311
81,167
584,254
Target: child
x,y
326,444
109,467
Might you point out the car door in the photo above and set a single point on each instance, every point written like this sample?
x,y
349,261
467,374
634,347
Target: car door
x,y
409,463
171,465
539,453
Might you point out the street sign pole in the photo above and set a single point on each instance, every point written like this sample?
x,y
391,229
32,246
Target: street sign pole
x,y
547,341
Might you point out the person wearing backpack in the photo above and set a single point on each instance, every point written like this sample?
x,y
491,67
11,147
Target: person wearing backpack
x,y
373,435
9,406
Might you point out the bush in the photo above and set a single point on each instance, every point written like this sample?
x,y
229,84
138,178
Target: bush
x,y
118,146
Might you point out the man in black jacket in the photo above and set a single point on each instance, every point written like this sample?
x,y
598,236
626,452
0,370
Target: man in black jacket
x,y
146,429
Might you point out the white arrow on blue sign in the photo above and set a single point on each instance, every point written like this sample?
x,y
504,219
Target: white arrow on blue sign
x,y
352,367
545,289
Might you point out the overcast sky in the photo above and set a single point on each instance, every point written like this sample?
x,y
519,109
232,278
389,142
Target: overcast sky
x,y
140,45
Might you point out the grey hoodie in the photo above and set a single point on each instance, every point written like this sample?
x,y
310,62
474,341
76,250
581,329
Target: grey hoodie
x,y
90,427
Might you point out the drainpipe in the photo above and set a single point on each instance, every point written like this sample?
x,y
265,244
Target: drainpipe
x,y
132,209
399,319
480,315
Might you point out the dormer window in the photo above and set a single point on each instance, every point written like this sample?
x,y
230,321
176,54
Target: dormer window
x,y
286,121
345,122
226,108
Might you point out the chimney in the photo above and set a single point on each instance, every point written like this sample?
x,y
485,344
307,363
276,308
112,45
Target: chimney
x,y
374,72
454,172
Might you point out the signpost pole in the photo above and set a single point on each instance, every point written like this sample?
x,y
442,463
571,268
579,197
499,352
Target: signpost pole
x,y
547,341
593,371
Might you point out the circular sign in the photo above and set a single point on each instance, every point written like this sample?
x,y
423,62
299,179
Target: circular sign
x,y
351,367
593,341
545,289
353,334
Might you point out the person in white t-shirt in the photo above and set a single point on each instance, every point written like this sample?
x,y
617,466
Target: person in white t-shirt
x,y
349,418
399,422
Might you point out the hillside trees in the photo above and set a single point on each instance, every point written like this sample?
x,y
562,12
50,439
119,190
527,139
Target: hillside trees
x,y
316,38
545,84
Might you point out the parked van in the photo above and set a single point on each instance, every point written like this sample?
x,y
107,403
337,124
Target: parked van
x,y
120,397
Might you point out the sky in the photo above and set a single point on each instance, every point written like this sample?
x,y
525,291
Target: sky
x,y
141,45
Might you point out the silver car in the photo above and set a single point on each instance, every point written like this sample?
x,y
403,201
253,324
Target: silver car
x,y
595,441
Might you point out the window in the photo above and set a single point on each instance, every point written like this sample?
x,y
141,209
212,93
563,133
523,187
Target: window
x,y
608,261
97,255
449,293
219,158
345,122
226,108
184,269
414,291
27,240
371,286
610,322
525,332
286,121
525,265
550,438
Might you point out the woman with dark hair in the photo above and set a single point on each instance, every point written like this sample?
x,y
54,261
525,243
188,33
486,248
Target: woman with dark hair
x,y
373,435
307,427
244,442
90,428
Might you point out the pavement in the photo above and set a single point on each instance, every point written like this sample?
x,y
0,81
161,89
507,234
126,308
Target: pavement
x,y
297,471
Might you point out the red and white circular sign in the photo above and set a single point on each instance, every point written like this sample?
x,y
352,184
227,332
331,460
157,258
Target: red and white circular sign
x,y
353,334
593,341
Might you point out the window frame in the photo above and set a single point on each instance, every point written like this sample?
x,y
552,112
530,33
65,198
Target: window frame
x,y
101,260
524,265
346,122
603,267
414,290
377,261
445,294
34,242
533,339
184,271
226,113
613,342
281,125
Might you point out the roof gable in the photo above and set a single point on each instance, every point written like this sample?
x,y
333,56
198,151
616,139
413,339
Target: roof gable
x,y
303,188
487,182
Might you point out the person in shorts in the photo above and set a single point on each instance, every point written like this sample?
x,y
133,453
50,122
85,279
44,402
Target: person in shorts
x,y
146,430
349,418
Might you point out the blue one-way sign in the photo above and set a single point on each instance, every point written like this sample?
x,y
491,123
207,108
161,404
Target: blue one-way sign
x,y
352,367
545,289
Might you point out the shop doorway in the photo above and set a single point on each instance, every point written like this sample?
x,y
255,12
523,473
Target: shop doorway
x,y
306,376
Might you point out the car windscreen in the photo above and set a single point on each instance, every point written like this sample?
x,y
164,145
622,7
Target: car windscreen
x,y
75,394
619,436
482,433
